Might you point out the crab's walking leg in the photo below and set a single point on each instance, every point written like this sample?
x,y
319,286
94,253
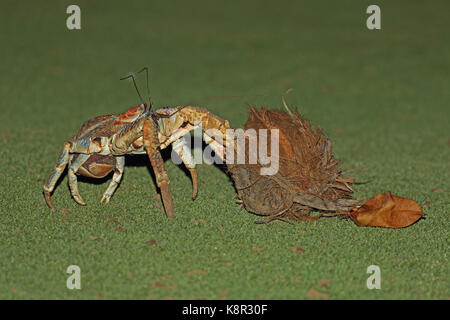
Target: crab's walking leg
x,y
177,135
209,121
73,182
182,149
218,148
118,171
151,144
49,185
147,128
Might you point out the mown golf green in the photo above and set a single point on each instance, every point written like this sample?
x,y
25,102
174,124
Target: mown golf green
x,y
382,97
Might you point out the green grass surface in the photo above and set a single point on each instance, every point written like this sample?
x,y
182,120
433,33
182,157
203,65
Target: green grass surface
x,y
382,97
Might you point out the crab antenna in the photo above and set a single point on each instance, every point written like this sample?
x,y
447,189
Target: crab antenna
x,y
148,88
135,85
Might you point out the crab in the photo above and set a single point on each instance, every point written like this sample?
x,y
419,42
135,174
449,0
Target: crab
x,y
101,144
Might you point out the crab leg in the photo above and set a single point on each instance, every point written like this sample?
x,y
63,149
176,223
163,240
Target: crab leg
x,y
201,117
218,148
149,132
182,149
49,185
73,182
151,144
207,120
118,172
177,135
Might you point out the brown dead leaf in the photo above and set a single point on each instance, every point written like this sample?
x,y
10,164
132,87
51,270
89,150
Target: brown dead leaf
x,y
436,190
65,212
221,229
198,220
298,250
427,204
120,228
129,276
152,242
387,210
158,284
314,294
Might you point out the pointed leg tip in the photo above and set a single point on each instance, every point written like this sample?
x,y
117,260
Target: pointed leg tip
x,y
167,200
80,201
170,216
193,172
169,212
104,200
48,201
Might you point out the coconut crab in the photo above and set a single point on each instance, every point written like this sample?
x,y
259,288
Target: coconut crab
x,y
101,144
